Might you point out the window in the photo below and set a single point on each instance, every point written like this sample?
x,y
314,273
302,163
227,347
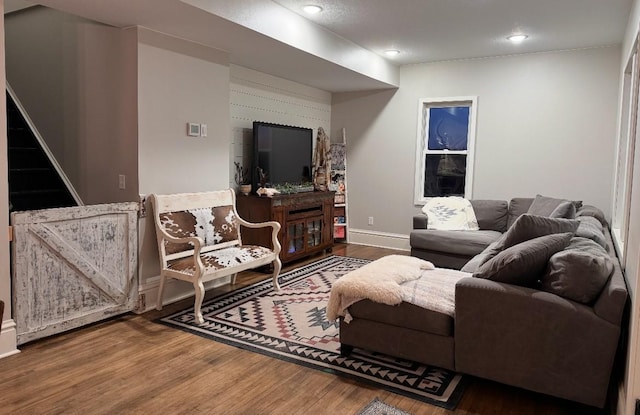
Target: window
x,y
628,129
444,149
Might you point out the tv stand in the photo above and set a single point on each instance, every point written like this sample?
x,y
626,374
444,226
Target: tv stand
x,y
306,219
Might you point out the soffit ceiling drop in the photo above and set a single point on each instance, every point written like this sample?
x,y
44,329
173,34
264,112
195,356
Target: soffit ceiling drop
x,y
341,48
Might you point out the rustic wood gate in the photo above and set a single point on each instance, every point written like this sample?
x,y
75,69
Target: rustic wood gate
x,y
73,266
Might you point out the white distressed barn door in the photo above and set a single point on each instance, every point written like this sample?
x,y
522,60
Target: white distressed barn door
x,y
73,266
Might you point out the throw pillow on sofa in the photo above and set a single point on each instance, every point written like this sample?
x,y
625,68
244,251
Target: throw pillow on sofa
x,y
524,263
578,272
588,210
528,227
591,228
555,208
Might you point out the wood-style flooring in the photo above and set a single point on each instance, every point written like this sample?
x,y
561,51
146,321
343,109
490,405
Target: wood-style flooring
x,y
131,365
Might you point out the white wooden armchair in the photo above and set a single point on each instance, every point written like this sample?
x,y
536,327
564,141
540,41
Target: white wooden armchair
x,y
199,240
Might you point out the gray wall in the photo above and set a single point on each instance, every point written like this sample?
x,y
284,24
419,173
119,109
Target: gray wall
x,y
546,124
178,82
77,80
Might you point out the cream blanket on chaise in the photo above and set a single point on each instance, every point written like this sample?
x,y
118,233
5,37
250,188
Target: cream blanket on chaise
x,y
393,279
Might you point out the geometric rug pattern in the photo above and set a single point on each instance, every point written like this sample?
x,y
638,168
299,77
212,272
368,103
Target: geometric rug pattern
x,y
291,325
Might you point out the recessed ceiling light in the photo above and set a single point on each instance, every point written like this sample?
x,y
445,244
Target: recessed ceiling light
x,y
517,38
312,9
392,52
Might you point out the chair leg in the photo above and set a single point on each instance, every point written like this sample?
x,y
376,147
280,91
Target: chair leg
x,y
160,292
233,278
277,265
199,288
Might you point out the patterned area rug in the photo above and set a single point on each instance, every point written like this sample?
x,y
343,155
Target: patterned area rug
x,y
291,325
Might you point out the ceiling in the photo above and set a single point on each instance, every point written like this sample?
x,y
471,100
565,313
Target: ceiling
x,y
436,30
341,48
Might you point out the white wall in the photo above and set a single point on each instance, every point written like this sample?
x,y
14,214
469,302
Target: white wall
x,y
76,79
546,124
8,332
178,82
256,96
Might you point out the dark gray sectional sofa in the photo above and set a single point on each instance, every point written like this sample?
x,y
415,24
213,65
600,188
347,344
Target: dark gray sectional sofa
x,y
559,339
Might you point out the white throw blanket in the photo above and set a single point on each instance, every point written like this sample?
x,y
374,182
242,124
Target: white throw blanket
x,y
450,213
393,279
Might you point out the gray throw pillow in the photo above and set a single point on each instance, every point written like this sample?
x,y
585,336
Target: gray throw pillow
x,y
528,227
524,263
592,229
543,206
565,209
579,272
588,210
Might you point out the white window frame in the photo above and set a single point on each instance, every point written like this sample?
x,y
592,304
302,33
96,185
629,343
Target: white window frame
x,y
424,104
625,150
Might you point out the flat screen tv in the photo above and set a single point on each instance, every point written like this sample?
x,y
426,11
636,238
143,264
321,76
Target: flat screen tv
x,y
283,152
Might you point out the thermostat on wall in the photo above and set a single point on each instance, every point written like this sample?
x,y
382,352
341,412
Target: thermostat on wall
x,y
193,129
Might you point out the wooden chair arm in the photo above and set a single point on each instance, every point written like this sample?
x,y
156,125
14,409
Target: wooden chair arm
x,y
274,233
195,240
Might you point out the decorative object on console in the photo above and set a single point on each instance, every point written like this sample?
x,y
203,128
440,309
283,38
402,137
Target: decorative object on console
x,y
267,191
242,178
322,162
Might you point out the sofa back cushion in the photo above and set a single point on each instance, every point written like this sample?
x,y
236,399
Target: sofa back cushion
x,y
518,206
491,214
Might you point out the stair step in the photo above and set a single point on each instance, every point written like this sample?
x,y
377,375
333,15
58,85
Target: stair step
x,y
35,192
34,182
30,169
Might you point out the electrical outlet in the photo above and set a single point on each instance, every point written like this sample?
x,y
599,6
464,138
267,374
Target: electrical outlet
x,y
370,220
122,181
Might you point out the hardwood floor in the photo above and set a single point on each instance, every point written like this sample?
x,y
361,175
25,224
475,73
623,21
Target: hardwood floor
x,y
131,365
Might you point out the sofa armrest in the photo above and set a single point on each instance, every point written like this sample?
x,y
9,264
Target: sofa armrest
x,y
420,221
533,339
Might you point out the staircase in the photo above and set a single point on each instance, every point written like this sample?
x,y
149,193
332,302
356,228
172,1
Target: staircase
x,y
34,182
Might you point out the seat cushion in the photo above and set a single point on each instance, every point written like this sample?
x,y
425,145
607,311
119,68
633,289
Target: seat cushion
x,y
404,315
221,258
455,242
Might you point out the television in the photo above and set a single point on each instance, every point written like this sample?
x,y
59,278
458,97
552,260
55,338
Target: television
x,y
283,152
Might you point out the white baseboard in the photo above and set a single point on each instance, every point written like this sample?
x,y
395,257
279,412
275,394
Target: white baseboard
x,y
174,290
8,339
379,239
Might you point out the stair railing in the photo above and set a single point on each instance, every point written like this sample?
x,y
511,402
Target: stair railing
x,y
45,148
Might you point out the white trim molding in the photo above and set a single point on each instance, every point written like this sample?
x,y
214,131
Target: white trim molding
x,y
424,104
8,339
379,239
